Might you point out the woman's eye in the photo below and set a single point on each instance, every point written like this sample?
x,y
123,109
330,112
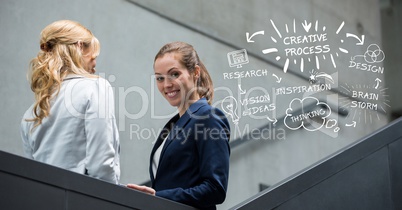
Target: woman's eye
x,y
159,79
175,75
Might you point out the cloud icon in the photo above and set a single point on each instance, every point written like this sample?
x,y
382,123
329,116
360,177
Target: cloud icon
x,y
331,123
301,111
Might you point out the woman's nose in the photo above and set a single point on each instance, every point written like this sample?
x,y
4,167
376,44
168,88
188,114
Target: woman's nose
x,y
168,83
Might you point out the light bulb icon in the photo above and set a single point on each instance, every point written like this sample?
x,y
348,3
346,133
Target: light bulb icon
x,y
229,106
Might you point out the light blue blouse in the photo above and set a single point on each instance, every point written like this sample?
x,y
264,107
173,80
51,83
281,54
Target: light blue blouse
x,y
80,133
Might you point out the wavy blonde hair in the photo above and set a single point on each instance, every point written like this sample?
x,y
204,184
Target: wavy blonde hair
x,y
62,44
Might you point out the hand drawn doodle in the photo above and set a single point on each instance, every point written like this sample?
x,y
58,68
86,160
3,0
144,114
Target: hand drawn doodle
x,y
317,41
314,75
294,120
332,123
366,99
238,58
240,90
373,54
353,124
278,79
248,37
272,120
377,85
229,106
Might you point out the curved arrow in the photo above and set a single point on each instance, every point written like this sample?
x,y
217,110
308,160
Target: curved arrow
x,y
353,124
361,41
278,79
274,120
241,91
378,83
256,33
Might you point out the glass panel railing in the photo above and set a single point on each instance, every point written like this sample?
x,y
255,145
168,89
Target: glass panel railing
x,y
364,175
28,184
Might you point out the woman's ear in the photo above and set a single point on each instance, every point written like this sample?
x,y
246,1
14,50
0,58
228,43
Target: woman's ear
x,y
79,45
197,72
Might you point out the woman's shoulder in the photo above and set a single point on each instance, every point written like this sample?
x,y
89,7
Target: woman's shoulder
x,y
208,115
91,78
208,110
87,81
28,114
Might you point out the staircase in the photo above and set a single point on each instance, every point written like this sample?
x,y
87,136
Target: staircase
x,y
366,175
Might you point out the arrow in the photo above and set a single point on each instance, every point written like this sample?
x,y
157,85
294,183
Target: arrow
x,y
256,33
241,91
361,41
278,79
274,120
378,83
353,124
306,26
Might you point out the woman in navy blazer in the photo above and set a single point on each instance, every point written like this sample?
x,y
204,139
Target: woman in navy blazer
x,y
190,159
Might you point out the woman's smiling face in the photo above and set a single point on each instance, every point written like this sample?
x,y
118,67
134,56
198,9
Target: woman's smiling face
x,y
175,82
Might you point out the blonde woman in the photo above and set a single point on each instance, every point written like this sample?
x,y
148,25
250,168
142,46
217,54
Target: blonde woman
x,y
71,123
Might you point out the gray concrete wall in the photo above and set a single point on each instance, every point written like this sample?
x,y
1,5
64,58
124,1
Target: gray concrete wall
x,y
391,14
130,35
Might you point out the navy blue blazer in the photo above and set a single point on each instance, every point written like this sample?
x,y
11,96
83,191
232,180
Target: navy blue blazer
x,y
194,162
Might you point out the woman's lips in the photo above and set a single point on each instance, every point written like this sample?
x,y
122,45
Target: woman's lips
x,y
172,94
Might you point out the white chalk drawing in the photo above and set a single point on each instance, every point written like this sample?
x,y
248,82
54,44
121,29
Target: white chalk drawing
x,y
317,38
256,103
306,26
361,41
337,129
245,74
340,27
366,99
301,44
274,120
296,121
314,75
248,37
278,79
340,48
302,89
371,63
377,85
229,106
331,123
364,67
373,54
238,58
240,90
353,124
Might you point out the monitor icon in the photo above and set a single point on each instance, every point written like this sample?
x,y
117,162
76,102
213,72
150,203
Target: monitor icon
x,y
237,58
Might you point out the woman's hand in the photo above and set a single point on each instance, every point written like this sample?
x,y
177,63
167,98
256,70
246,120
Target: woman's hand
x,y
144,189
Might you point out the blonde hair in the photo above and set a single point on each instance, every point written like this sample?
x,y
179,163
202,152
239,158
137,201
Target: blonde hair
x,y
61,45
189,58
